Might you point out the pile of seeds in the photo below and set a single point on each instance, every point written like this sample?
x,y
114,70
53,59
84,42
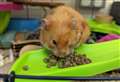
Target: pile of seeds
x,y
69,61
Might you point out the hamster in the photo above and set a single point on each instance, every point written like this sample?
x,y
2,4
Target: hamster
x,y
62,30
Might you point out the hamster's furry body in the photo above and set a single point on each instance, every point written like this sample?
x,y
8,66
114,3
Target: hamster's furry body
x,y
64,28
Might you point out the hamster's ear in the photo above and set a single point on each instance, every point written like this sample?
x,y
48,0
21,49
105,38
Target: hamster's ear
x,y
45,24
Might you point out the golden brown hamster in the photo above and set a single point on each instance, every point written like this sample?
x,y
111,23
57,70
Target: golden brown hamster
x,y
62,30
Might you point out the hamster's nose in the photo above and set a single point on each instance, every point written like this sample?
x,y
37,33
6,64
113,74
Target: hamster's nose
x,y
63,52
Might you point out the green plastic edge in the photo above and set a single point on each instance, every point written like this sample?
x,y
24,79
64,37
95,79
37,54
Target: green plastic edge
x,y
110,61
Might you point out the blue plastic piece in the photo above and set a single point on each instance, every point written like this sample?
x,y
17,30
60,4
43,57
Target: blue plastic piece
x,y
24,24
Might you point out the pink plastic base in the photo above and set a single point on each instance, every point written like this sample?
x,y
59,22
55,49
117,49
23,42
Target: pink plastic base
x,y
9,6
109,37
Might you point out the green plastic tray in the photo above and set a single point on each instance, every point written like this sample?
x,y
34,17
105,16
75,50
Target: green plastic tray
x,y
4,20
105,56
104,27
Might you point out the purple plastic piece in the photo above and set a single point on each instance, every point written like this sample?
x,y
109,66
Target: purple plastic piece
x,y
109,37
8,6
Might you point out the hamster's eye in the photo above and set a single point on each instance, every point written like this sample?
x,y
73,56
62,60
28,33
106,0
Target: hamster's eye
x,y
54,42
